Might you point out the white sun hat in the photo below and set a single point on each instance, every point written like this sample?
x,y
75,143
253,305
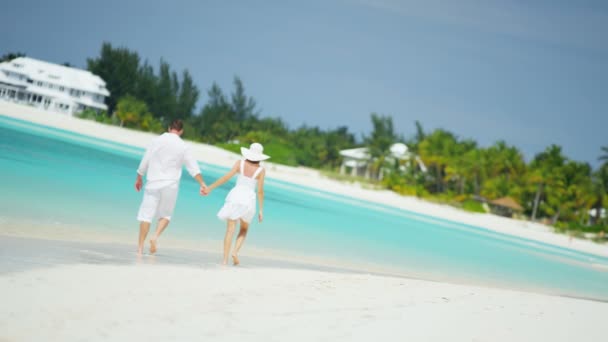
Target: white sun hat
x,y
254,152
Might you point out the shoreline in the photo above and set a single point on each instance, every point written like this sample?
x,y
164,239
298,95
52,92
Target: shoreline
x,y
81,291
313,179
174,252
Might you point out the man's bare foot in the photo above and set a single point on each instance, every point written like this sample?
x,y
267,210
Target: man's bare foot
x,y
140,252
235,259
152,246
224,262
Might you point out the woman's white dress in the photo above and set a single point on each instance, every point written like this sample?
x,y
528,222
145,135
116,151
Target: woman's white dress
x,y
241,200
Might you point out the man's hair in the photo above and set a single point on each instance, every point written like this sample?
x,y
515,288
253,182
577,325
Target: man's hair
x,y
177,125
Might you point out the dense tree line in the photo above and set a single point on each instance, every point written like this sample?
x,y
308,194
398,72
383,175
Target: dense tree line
x,y
551,187
7,57
233,120
166,94
144,99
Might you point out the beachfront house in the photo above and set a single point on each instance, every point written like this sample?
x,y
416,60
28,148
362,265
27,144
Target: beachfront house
x,y
51,87
358,162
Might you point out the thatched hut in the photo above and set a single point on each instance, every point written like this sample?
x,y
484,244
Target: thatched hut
x,y
505,206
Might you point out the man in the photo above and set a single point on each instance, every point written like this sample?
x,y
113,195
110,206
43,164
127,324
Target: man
x,y
163,162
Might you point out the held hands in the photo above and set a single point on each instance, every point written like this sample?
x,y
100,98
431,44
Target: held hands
x,y
204,191
261,216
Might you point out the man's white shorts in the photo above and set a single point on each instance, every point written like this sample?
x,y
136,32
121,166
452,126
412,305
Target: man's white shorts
x,y
158,203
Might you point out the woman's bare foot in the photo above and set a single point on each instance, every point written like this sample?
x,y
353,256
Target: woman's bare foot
x,y
152,246
235,259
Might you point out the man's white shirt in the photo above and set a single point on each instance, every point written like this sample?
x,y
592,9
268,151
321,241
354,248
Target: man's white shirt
x,y
164,159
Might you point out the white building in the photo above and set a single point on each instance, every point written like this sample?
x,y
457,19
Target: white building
x,y
357,160
51,87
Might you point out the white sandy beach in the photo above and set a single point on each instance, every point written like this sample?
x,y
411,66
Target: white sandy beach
x,y
105,295
174,303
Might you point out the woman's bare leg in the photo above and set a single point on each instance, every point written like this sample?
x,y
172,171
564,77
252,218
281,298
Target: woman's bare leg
x,y
239,241
228,240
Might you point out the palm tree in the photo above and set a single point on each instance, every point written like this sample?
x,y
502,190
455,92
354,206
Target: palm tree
x,y
460,166
571,194
507,161
380,141
478,161
436,151
604,157
546,172
505,170
600,189
600,184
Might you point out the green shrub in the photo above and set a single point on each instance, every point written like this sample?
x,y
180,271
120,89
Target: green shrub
x,y
87,114
473,206
576,226
236,148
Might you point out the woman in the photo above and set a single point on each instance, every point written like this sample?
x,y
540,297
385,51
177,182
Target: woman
x,y
240,204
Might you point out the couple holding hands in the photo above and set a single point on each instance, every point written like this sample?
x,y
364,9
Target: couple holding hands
x,y
162,164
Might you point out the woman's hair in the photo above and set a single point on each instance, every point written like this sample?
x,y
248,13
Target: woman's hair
x,y
253,162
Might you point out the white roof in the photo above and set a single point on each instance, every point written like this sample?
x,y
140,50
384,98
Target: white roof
x,y
68,77
13,82
360,153
357,157
398,150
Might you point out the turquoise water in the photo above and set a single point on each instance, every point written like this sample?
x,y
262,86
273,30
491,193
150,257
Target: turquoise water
x,y
52,176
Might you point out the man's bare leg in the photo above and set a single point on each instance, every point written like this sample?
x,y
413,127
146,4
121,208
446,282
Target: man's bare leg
x,y
160,227
144,228
228,240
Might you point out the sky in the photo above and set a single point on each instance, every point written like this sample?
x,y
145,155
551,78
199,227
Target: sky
x,y
532,73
